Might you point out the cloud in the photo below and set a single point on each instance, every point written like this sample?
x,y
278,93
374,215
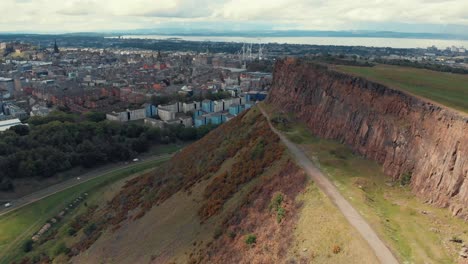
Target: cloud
x,y
98,15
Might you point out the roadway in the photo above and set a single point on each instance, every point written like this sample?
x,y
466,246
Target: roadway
x,y
48,191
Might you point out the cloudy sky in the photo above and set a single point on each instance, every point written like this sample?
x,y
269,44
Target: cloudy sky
x,y
104,15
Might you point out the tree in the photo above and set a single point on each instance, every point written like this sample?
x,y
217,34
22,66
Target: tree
x,y
160,100
21,130
89,155
95,116
27,245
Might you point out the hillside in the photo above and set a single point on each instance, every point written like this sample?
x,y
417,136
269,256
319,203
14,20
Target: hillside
x,y
411,138
233,196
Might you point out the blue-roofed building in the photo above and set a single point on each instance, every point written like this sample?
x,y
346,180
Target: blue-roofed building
x,y
234,109
208,106
150,110
216,119
197,113
253,96
250,97
261,96
200,121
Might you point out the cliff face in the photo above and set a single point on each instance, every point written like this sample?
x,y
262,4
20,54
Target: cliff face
x,y
403,133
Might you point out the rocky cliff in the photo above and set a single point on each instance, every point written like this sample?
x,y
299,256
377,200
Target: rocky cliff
x,y
405,134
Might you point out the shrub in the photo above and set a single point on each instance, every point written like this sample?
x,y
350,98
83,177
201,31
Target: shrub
x,y
28,245
456,239
405,179
71,231
280,214
89,229
251,239
217,233
336,249
59,249
276,202
258,151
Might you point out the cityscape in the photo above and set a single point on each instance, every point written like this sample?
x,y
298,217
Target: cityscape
x,y
229,131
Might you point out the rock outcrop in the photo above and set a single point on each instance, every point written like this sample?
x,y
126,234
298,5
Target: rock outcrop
x,y
407,135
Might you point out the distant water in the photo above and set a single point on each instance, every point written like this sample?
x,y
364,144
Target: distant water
x,y
338,41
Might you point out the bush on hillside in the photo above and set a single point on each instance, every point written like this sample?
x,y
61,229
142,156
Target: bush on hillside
x,y
27,245
251,239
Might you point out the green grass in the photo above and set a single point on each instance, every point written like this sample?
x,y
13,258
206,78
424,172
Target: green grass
x,y
415,231
19,225
391,209
169,148
445,88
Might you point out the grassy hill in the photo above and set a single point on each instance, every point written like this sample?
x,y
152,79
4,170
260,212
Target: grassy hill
x,y
414,230
235,196
445,88
19,226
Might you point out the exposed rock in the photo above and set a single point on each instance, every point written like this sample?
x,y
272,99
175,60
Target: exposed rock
x,y
464,252
405,134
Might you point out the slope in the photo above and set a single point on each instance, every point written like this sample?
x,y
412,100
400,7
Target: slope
x,y
234,196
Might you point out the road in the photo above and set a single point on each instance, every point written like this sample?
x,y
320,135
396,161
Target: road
x,y
382,252
39,195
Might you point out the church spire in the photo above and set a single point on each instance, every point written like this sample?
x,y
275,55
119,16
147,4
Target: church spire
x,y
56,49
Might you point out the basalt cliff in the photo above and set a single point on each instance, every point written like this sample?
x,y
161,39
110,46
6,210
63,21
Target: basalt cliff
x,y
406,134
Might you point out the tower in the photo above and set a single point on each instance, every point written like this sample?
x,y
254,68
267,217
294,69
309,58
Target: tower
x,y
56,49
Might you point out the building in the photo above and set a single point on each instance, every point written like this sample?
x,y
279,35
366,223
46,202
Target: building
x,y
128,115
166,114
234,109
208,106
38,110
256,96
151,110
7,87
200,121
154,122
6,124
13,110
191,107
215,119
175,107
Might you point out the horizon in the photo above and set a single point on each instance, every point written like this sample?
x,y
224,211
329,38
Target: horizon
x,y
415,16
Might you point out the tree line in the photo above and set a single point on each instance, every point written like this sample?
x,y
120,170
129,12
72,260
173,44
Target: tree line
x,y
62,141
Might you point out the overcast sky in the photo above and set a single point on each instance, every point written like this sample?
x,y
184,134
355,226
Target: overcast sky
x,y
105,15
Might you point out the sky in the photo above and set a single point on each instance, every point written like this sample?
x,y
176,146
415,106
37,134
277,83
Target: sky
x,y
60,16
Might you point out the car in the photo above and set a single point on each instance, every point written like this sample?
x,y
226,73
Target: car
x,y
135,160
7,205
78,178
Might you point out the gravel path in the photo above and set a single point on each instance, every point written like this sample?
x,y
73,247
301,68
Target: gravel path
x,y
382,252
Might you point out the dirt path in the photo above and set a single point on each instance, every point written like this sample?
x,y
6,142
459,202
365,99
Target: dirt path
x,y
382,252
39,195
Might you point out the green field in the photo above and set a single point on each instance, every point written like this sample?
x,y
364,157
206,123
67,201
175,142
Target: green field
x,y
445,88
19,225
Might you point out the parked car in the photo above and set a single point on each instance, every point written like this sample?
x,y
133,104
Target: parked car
x,y
7,205
135,160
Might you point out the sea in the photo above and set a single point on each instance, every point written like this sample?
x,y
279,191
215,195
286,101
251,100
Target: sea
x,y
338,41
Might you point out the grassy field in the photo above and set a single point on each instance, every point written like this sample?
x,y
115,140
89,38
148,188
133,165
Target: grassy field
x,y
415,231
321,227
19,225
445,88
